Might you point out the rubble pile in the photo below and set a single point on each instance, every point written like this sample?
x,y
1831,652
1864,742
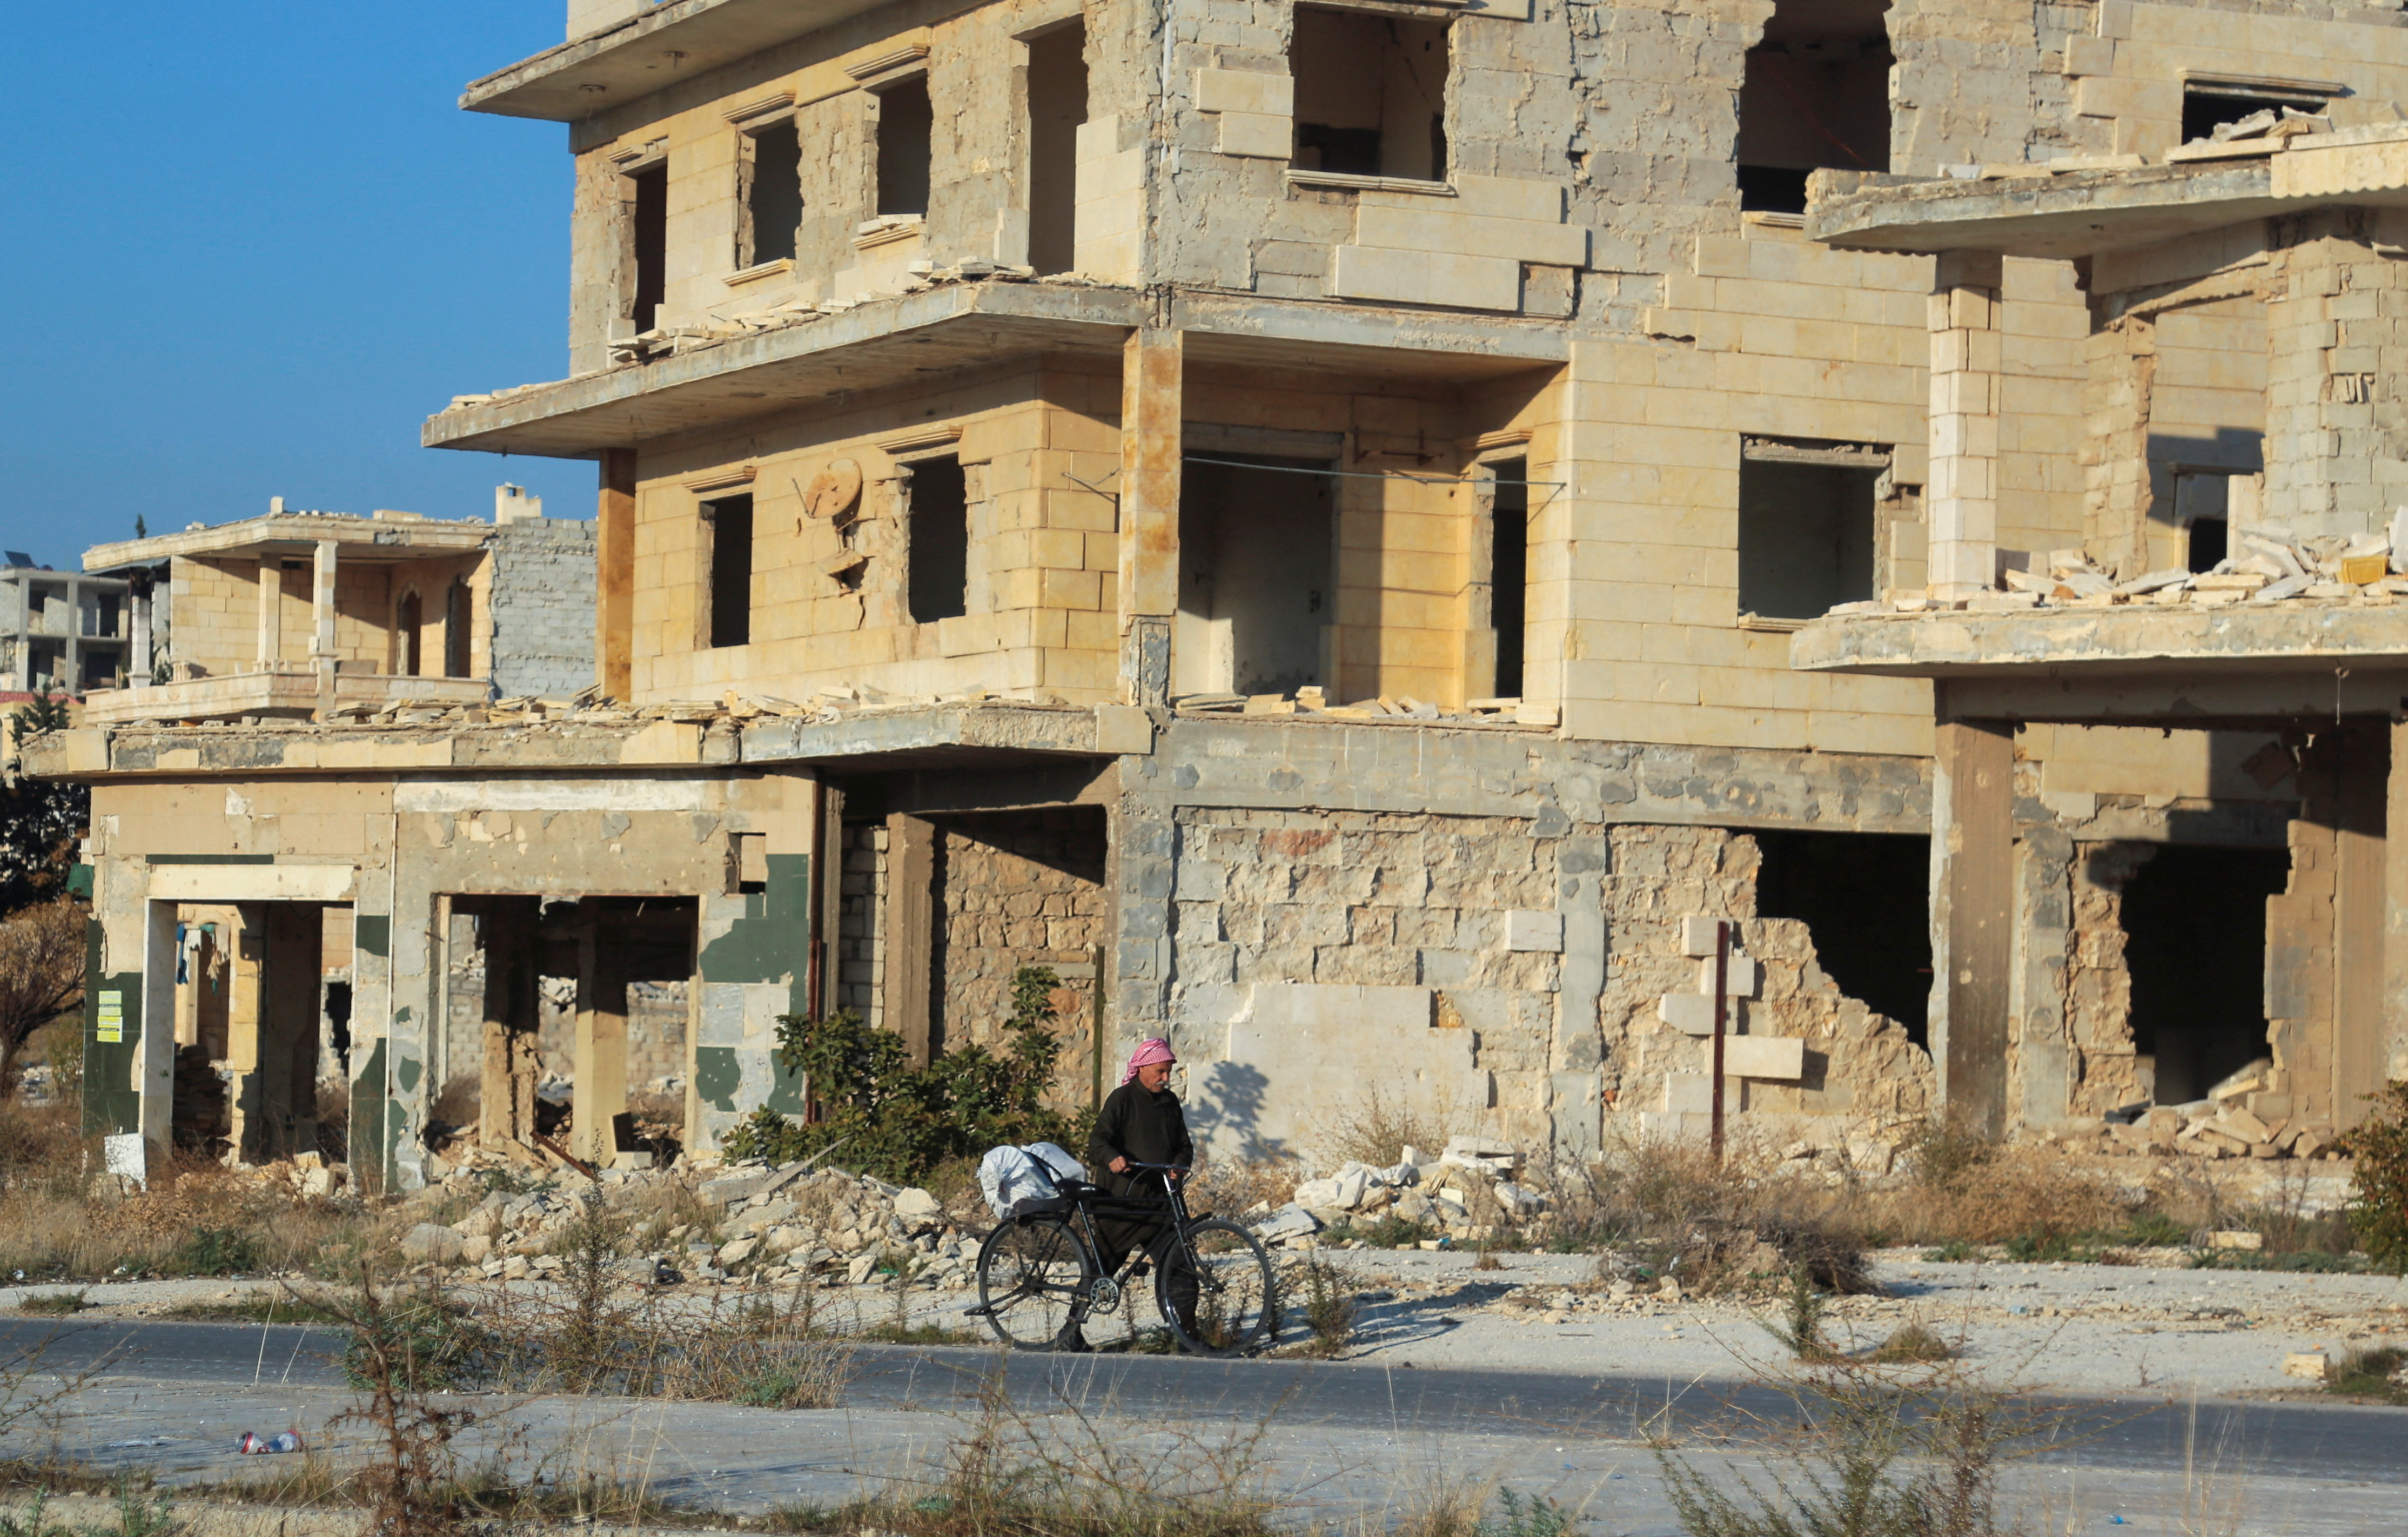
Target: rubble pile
x,y
592,707
1465,1193
1313,700
2274,566
789,1223
2248,1115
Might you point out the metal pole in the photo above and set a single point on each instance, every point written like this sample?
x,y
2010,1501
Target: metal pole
x,y
1722,1013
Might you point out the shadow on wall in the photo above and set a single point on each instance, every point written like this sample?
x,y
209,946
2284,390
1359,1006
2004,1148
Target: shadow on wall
x,y
1226,1111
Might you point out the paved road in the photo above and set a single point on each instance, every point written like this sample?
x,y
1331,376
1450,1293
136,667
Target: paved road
x,y
2339,1441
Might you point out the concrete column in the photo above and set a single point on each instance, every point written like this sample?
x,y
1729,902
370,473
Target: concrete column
x,y
614,585
1972,905
2363,1030
1963,489
285,1047
2336,430
321,603
601,1060
156,1082
138,660
1151,394
2389,1055
911,933
271,610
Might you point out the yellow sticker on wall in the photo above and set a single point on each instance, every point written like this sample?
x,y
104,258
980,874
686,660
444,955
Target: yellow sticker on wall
x,y
113,1020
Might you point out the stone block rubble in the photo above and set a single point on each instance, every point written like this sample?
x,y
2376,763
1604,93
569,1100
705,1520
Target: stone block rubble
x,y
1467,1192
790,1224
1313,700
2274,566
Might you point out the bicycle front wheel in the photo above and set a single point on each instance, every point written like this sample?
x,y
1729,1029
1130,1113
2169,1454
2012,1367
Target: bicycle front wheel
x,y
1215,1289
1031,1276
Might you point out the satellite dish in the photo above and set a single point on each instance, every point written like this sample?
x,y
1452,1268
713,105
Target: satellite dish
x,y
833,490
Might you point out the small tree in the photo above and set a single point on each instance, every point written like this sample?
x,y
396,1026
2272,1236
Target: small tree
x,y
41,977
2378,1200
40,819
898,1121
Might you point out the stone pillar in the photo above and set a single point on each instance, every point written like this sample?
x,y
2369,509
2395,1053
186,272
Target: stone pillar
x,y
271,610
1963,490
2389,1055
138,661
1151,391
2336,424
505,1086
2363,1030
285,1053
2118,391
911,933
1972,906
614,584
160,958
321,603
601,1059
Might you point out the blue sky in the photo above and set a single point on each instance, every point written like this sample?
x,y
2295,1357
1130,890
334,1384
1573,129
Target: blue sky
x,y
249,247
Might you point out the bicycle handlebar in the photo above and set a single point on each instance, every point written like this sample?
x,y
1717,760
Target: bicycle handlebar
x,y
1173,1168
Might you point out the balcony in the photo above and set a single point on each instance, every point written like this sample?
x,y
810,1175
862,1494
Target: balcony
x,y
286,692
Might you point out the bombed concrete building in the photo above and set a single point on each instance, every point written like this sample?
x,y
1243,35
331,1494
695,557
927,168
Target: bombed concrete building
x,y
1295,516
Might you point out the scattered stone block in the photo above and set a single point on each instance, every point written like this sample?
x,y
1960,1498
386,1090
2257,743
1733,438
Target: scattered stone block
x,y
2236,1239
430,1245
2311,1365
735,1251
917,1205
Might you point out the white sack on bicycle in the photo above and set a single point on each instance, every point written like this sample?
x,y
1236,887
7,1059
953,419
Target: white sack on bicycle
x,y
1008,1175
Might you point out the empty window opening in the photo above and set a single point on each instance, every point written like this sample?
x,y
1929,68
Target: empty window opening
x,y
940,531
647,243
1807,531
2206,108
1254,577
730,522
2203,513
1057,105
1866,902
410,627
773,194
456,606
1816,94
1371,93
1508,569
907,125
2195,943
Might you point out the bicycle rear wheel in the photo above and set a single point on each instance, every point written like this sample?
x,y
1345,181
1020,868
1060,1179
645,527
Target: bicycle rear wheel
x,y
1217,1290
1030,1276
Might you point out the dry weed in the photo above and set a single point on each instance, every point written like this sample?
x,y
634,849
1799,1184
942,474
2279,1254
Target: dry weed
x,y
1378,1127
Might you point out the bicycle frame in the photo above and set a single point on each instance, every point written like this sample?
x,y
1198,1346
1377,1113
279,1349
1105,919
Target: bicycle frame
x,y
1090,1205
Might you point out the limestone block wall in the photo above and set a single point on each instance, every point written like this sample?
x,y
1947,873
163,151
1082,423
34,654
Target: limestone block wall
x,y
2126,61
861,931
827,85
829,593
1022,889
542,607
1857,1063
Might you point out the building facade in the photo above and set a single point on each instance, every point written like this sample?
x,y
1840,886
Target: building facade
x,y
1295,517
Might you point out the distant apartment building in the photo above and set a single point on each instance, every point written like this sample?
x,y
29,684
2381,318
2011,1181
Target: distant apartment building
x,y
61,632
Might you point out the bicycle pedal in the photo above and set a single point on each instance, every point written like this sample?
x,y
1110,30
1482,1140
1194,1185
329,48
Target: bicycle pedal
x,y
981,1311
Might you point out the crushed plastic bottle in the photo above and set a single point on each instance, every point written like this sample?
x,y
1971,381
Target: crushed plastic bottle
x,y
254,1444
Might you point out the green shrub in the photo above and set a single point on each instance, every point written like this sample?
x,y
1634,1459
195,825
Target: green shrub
x,y
899,1122
2378,1203
214,1251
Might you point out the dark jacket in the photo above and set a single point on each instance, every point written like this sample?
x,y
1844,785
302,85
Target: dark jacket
x,y
1142,1127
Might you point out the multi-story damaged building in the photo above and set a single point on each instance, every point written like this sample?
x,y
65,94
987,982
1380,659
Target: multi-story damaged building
x,y
1295,516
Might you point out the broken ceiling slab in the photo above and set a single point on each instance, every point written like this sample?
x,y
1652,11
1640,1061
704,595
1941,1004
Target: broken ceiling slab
x,y
668,44
2087,212
886,342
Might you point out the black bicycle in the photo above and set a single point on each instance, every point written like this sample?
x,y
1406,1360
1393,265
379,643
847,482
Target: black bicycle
x,y
1042,1285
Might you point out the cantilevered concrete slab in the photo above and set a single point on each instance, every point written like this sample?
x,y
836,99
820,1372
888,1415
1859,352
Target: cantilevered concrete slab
x,y
962,736
674,42
2082,213
886,342
370,538
2189,668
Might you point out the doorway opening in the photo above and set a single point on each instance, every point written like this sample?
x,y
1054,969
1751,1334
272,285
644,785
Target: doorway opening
x,y
1254,576
1508,569
2195,943
1057,105
1816,94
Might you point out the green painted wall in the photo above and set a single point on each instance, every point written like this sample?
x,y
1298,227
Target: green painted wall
x,y
112,1103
